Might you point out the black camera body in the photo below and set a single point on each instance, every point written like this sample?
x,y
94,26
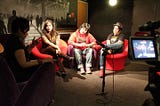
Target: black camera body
x,y
150,26
153,79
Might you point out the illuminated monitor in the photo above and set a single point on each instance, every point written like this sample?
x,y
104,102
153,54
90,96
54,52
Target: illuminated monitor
x,y
143,48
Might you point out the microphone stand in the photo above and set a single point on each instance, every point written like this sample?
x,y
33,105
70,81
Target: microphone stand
x,y
104,68
103,94
105,49
103,77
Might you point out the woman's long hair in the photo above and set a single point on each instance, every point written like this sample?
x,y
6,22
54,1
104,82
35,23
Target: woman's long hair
x,y
53,32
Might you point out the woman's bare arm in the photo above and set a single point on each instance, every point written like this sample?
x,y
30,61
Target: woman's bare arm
x,y
21,58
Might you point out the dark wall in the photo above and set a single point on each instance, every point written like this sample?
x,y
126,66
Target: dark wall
x,y
102,17
144,12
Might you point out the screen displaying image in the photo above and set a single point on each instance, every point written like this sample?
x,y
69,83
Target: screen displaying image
x,y
144,49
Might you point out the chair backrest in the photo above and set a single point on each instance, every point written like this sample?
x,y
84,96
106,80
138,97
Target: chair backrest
x,y
63,46
125,49
36,51
9,90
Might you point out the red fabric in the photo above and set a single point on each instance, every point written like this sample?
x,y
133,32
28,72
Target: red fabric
x,y
158,73
75,36
56,67
35,51
116,62
63,46
97,47
142,34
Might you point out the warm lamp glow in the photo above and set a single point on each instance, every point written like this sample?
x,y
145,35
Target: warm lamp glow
x,y
112,2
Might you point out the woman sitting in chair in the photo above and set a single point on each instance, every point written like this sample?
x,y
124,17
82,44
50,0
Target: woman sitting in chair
x,y
51,39
114,44
17,55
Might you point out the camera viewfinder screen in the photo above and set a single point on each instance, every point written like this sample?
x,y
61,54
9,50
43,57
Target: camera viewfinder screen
x,y
144,49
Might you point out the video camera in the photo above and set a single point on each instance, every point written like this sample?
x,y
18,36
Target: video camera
x,y
150,26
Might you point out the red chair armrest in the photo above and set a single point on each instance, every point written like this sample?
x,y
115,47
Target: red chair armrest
x,y
38,54
158,73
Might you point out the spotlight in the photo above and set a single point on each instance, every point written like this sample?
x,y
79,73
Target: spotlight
x,y
112,2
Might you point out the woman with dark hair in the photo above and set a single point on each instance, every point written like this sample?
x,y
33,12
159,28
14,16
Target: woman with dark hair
x,y
83,43
17,54
51,40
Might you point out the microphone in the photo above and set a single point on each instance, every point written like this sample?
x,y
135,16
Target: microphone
x,y
99,43
102,45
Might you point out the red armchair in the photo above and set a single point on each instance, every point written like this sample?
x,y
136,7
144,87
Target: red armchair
x,y
116,62
36,51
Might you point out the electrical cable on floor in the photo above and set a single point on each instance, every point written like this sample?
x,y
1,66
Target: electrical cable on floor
x,y
106,101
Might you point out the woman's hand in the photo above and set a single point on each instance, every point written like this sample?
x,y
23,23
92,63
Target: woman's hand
x,y
82,45
35,41
58,50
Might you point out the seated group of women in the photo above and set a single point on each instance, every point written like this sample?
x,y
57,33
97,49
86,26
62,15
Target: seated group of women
x,y
83,42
